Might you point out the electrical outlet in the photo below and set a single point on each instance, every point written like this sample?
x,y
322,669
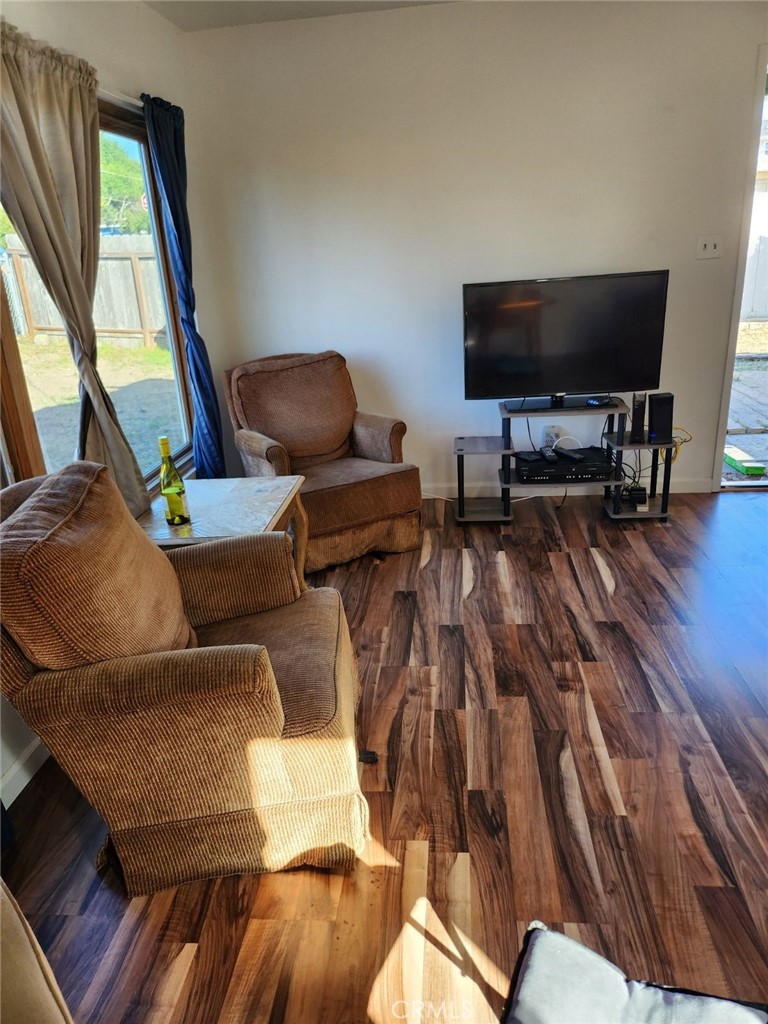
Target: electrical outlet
x,y
551,435
708,247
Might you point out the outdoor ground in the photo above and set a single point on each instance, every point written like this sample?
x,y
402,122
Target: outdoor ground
x,y
754,445
748,412
140,382
752,338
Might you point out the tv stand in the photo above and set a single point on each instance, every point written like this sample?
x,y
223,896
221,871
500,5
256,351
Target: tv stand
x,y
560,403
498,510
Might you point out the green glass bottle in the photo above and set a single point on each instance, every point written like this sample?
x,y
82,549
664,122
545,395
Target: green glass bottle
x,y
172,487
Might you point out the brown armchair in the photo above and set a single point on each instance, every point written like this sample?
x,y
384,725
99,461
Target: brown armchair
x,y
200,701
298,414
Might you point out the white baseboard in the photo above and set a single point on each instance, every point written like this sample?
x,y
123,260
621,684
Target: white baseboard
x,y
691,485
16,777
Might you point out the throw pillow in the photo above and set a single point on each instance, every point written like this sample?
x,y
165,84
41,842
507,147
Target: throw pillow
x,y
81,582
558,980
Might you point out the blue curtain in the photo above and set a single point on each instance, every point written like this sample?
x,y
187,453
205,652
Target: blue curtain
x,y
165,129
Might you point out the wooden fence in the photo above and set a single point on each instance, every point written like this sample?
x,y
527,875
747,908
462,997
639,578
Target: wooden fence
x,y
754,303
129,309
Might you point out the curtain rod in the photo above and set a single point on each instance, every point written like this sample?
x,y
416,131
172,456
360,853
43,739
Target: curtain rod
x,y
121,99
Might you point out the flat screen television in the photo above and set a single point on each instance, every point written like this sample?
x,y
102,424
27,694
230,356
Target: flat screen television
x,y
565,335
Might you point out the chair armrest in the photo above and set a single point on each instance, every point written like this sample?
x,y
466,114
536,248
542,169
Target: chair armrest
x,y
261,455
237,576
377,437
223,579
161,739
153,683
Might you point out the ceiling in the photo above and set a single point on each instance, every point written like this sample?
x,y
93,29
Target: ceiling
x,y
195,15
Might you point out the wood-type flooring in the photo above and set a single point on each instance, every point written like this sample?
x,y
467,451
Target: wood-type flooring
x,y
571,716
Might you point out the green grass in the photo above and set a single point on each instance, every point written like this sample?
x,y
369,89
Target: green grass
x,y
52,377
139,380
752,338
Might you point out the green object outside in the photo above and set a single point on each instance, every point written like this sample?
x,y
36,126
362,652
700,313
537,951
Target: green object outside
x,y
742,462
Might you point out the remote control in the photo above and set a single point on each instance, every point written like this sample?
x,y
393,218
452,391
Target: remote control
x,y
568,453
548,454
528,456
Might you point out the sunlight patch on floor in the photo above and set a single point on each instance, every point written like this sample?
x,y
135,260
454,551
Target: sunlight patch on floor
x,y
434,970
374,855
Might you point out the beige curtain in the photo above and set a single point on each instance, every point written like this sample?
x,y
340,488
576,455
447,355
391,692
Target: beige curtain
x,y
49,159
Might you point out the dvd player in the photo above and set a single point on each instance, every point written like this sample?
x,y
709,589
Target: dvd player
x,y
595,464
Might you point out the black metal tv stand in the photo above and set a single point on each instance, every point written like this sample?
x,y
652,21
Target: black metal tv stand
x,y
498,510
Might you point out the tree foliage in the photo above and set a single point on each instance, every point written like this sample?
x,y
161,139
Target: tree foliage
x,y
6,228
122,188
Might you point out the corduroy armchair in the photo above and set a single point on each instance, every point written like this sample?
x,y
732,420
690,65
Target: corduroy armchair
x,y
298,414
200,701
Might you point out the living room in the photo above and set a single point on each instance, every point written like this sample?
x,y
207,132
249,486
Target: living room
x,y
347,174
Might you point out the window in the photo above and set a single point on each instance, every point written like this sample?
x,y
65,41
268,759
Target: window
x,y
140,354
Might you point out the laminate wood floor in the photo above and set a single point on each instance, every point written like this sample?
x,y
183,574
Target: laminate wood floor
x,y
572,721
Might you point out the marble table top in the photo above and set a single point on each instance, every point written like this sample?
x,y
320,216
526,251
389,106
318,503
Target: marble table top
x,y
224,508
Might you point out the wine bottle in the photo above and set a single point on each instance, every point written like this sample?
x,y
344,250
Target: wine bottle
x,y
172,487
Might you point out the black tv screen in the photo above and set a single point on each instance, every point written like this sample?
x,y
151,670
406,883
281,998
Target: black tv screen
x,y
565,335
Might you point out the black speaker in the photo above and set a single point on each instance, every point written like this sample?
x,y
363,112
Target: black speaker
x,y
637,434
660,417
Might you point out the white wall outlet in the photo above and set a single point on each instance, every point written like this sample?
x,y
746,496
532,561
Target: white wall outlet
x,y
708,247
550,436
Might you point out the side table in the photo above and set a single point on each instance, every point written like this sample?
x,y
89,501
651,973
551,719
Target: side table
x,y
231,508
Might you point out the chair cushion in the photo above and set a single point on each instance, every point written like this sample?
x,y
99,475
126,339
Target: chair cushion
x,y
557,980
350,492
304,401
80,580
303,642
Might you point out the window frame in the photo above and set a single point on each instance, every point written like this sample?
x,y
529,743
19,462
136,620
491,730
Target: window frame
x,y
19,429
21,440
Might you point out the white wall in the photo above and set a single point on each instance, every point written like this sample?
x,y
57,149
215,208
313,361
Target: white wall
x,y
372,163
21,753
134,50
